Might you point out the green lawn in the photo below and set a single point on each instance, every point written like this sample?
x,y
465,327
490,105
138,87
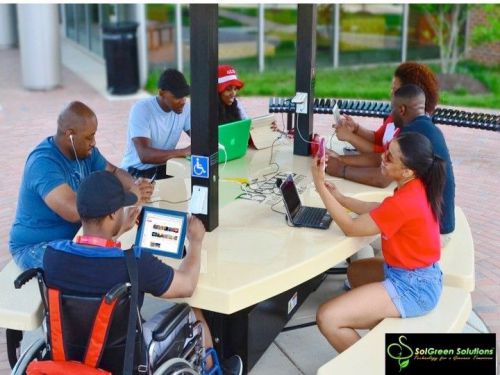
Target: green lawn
x,y
361,83
370,83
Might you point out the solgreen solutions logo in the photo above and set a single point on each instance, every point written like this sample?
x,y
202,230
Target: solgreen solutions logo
x,y
408,354
400,352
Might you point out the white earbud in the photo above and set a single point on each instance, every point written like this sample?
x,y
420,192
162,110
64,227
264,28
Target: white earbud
x,y
76,155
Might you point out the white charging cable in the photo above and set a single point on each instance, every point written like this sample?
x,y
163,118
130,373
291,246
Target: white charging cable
x,y
221,147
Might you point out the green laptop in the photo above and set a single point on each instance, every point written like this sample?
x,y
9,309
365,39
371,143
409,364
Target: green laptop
x,y
234,136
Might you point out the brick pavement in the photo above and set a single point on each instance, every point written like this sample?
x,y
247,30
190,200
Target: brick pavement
x,y
27,117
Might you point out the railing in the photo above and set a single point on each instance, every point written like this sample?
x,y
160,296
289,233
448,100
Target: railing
x,y
368,108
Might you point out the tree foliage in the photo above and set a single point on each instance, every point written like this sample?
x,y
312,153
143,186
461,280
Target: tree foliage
x,y
490,31
447,22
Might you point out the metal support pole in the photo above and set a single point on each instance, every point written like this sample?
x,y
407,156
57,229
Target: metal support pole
x,y
178,37
262,41
404,32
142,43
336,35
204,42
305,74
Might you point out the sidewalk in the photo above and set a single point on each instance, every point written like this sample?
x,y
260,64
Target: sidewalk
x,y
27,117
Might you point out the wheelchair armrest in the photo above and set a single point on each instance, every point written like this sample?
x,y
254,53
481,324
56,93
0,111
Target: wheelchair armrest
x,y
170,321
117,292
27,276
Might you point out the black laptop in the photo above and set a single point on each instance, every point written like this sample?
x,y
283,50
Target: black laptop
x,y
299,215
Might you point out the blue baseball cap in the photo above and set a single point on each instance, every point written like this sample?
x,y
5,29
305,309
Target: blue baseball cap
x,y
100,194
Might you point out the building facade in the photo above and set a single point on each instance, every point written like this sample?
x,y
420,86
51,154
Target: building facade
x,y
253,36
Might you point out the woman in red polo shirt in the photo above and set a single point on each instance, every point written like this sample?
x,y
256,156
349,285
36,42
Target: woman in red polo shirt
x,y
407,281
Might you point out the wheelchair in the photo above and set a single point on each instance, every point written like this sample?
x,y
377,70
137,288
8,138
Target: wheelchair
x,y
172,344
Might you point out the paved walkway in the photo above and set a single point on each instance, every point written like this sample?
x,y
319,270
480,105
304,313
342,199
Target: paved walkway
x,y
27,117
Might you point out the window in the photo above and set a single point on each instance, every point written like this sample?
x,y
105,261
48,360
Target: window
x,y
84,22
370,33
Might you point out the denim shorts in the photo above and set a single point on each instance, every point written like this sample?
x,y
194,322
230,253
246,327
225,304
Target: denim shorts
x,y
414,292
30,256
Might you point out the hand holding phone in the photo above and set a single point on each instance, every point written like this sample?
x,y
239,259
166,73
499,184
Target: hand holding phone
x,y
336,114
321,149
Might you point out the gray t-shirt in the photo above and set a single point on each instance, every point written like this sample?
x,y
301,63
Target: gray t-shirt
x,y
164,129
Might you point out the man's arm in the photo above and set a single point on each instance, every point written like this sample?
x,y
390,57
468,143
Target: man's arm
x,y
186,277
350,131
371,159
367,176
371,176
150,155
62,200
361,144
141,188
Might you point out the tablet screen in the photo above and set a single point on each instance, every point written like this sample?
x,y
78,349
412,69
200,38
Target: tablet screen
x,y
162,232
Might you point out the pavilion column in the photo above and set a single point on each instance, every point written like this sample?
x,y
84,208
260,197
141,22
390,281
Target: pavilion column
x,y
39,46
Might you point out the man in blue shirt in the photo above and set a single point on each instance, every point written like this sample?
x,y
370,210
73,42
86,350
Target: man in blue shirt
x,y
46,208
155,126
408,111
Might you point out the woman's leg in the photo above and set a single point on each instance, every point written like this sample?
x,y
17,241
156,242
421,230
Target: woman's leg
x,y
361,308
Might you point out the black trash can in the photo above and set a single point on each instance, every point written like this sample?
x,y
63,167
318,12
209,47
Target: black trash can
x,y
120,53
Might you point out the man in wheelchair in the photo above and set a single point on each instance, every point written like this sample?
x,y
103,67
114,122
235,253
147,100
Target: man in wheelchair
x,y
94,264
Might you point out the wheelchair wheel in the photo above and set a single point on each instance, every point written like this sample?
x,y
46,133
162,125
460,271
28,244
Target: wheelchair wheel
x,y
175,366
37,350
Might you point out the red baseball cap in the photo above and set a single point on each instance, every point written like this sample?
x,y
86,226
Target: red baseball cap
x,y
227,77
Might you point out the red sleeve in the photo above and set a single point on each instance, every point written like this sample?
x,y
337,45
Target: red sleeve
x,y
379,135
389,216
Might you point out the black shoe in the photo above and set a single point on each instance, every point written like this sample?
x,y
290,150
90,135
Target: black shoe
x,y
232,365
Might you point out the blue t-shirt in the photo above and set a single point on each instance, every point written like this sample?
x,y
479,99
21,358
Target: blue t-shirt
x,y
47,168
148,120
95,270
424,126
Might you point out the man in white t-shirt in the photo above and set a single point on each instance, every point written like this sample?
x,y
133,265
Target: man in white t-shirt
x,y
155,125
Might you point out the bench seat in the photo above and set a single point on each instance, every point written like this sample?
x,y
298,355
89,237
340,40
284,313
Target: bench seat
x,y
20,309
457,257
367,356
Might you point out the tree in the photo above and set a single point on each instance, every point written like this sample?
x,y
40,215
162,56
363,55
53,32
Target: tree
x,y
447,21
490,31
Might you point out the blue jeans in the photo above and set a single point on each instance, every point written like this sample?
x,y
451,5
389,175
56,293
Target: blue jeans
x,y
414,292
30,256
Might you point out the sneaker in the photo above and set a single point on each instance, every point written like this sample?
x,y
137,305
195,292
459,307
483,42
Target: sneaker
x,y
232,365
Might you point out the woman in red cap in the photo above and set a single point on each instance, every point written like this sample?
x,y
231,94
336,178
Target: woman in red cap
x,y
228,85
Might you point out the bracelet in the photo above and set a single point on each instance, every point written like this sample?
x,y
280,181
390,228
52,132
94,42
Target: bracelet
x,y
343,170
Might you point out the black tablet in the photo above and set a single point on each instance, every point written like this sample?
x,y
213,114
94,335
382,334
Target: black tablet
x,y
162,231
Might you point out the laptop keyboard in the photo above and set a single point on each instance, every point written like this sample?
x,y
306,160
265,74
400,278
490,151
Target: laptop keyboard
x,y
310,216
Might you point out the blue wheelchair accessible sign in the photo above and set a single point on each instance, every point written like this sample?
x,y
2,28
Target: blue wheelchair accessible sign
x,y
199,166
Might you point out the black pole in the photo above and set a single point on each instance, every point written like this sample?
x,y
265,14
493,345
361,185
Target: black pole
x,y
204,42
305,74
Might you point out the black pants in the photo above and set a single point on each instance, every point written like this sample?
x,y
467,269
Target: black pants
x,y
159,172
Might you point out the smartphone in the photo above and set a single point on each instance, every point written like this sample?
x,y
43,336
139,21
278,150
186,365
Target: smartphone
x,y
350,150
336,114
321,149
